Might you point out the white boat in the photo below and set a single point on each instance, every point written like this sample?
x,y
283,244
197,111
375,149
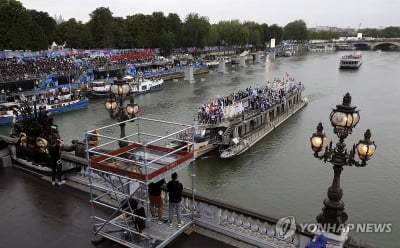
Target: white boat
x,y
97,89
352,61
212,64
143,85
321,48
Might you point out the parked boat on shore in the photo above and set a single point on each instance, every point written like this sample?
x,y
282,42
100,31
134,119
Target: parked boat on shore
x,y
235,123
352,61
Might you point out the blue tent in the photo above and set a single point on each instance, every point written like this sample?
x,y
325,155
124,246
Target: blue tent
x,y
50,81
131,70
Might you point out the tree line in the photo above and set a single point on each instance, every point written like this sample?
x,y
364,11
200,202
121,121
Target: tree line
x,y
23,29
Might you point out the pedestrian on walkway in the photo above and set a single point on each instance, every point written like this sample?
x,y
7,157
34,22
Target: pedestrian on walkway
x,y
175,189
56,163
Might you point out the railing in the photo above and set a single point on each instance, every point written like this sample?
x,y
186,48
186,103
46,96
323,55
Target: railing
x,y
221,217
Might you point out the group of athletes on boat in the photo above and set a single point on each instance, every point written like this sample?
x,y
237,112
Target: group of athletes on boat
x,y
258,98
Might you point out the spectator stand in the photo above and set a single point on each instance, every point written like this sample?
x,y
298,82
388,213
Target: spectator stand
x,y
143,158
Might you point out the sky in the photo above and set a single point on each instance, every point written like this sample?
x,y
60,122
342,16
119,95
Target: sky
x,y
337,13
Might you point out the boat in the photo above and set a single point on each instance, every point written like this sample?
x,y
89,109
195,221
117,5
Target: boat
x,y
212,64
235,123
235,60
351,61
321,48
143,85
54,101
98,89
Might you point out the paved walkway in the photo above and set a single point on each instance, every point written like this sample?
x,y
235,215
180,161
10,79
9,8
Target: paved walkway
x,y
33,213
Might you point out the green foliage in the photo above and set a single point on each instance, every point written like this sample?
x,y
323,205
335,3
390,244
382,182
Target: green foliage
x,y
121,34
275,32
390,32
15,24
323,35
212,38
38,40
296,30
195,30
46,23
31,29
142,28
174,25
167,43
100,26
74,34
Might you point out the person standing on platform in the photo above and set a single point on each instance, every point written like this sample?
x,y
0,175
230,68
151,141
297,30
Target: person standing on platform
x,y
175,189
156,200
56,164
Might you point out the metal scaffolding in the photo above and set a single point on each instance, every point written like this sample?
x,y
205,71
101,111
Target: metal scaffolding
x,y
118,174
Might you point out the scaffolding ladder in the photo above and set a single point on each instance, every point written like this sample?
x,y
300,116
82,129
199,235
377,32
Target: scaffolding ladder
x,y
126,166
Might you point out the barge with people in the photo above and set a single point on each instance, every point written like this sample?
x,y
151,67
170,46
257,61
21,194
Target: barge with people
x,y
236,122
54,100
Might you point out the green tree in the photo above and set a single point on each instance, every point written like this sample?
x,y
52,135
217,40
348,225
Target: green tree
x,y
391,32
37,38
159,28
47,23
195,30
212,38
100,25
15,24
371,32
296,30
120,32
175,26
167,43
275,32
142,28
232,32
74,34
322,35
256,34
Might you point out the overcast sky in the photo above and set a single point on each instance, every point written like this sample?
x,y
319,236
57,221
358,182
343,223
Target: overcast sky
x,y
334,13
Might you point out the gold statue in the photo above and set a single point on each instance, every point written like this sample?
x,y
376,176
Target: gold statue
x,y
24,140
42,144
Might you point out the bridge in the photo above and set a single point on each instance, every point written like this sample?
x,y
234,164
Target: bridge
x,y
370,43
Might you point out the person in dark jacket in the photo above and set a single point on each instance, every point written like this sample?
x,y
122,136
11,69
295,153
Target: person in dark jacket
x,y
56,164
175,189
156,200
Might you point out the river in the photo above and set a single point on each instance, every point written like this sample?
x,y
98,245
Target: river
x,y
279,175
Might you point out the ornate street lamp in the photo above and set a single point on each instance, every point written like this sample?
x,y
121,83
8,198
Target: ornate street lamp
x,y
119,91
343,119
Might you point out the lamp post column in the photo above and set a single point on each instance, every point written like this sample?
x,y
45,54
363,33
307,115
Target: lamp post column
x,y
123,117
333,211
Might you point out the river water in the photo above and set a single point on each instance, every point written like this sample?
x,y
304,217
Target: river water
x,y
279,175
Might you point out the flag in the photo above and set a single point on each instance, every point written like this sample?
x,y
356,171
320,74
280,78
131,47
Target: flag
x,y
287,74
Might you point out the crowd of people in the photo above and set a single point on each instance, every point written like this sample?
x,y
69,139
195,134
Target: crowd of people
x,y
16,69
33,68
259,97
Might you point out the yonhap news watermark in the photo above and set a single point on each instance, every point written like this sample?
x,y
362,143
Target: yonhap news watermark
x,y
339,228
286,227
